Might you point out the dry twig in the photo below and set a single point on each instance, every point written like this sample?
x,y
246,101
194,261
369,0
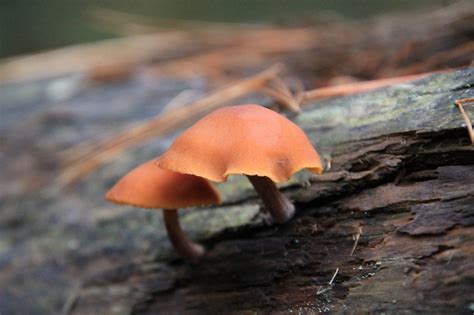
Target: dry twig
x,y
356,237
459,104
286,101
334,276
278,89
464,51
323,289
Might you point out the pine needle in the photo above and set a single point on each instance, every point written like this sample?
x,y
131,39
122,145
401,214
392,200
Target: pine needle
x,y
96,154
359,87
459,104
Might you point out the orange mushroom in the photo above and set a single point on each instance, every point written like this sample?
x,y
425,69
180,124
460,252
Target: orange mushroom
x,y
250,140
148,186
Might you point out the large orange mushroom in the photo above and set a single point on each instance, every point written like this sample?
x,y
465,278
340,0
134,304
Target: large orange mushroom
x,y
148,186
250,140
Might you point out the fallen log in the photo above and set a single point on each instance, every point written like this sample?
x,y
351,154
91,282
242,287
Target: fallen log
x,y
401,183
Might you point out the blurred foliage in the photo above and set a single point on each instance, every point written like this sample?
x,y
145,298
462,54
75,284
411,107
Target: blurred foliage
x,y
28,26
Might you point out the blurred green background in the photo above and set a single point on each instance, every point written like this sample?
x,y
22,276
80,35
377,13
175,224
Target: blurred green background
x,y
30,26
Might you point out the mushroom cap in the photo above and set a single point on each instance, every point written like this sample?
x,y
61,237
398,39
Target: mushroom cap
x,y
148,186
245,139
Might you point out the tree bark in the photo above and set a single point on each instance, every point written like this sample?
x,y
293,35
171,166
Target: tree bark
x,y
391,224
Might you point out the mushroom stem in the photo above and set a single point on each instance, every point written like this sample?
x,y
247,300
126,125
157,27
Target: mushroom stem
x,y
181,243
277,204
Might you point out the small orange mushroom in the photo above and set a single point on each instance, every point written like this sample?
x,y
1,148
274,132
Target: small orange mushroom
x,y
148,186
250,140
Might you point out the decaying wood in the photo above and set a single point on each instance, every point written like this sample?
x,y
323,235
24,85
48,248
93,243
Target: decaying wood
x,y
410,192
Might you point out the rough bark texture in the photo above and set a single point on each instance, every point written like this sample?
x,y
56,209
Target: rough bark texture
x,y
401,179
